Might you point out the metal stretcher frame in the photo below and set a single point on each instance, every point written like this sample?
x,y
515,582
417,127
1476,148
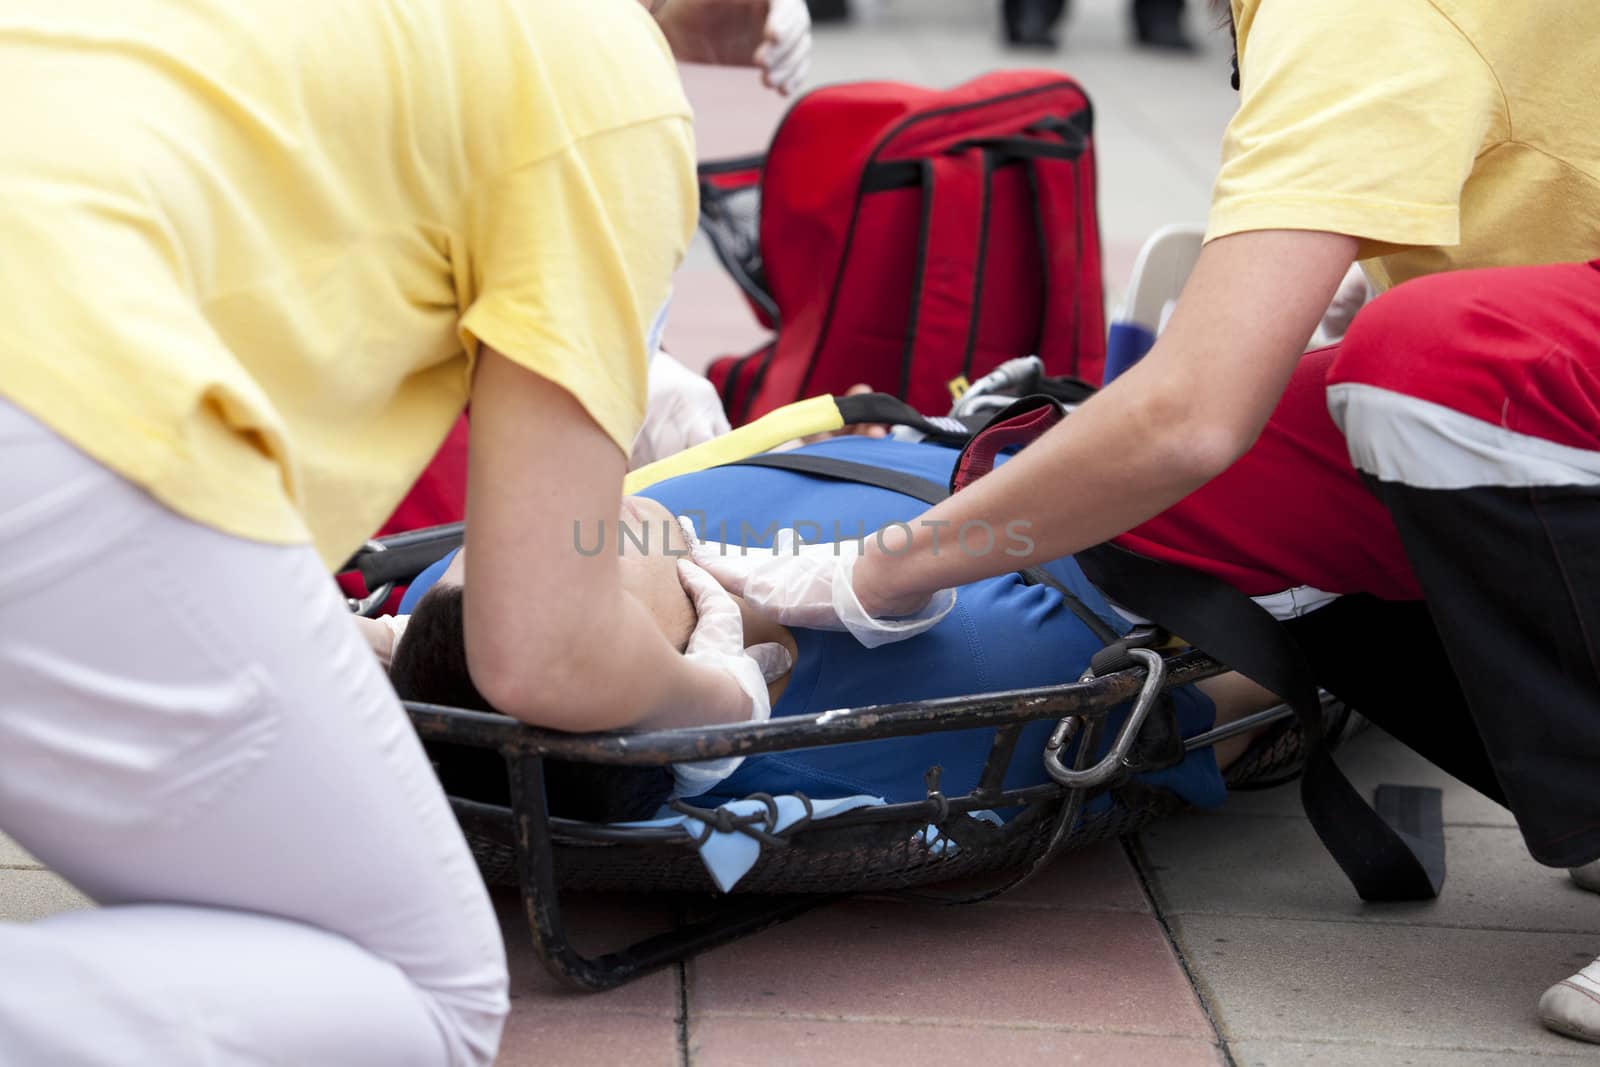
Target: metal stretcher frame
x,y
883,847
537,837
528,826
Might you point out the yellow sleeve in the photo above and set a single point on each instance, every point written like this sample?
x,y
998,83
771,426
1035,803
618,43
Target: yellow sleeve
x,y
572,258
1360,117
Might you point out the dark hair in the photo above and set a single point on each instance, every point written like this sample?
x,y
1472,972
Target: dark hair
x,y
430,666
1223,10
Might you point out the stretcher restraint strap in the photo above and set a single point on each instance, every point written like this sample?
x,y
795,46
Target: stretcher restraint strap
x,y
1398,859
819,414
407,554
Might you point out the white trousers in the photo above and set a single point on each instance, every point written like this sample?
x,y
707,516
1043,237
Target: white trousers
x,y
193,734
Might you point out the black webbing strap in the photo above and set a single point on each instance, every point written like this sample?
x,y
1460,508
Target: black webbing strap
x,y
862,408
406,555
1398,859
844,470
925,490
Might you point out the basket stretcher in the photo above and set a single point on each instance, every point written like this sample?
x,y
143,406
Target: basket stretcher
x,y
897,847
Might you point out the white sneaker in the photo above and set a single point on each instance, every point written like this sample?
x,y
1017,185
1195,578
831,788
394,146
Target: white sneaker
x,y
1572,1006
1587,876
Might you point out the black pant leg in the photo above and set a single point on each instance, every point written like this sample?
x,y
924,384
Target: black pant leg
x,y
1032,17
1385,660
1512,576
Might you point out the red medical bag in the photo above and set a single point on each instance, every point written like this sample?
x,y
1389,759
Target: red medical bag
x,y
909,238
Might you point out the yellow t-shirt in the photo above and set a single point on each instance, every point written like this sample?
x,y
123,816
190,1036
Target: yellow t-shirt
x,y
247,249
1444,133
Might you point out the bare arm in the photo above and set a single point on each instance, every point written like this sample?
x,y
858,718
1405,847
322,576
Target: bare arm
x,y
724,32
774,35
552,638
1176,420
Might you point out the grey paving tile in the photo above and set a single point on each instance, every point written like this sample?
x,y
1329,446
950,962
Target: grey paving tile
x,y
13,854
1380,984
1372,758
1141,187
1289,1054
1242,865
26,895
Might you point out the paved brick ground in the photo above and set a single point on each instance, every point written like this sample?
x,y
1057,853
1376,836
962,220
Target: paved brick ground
x,y
1216,938
1076,968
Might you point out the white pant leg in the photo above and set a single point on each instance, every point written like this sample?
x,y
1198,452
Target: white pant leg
x,y
194,734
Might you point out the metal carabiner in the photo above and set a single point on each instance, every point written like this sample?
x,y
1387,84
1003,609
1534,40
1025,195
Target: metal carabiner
x,y
1116,759
373,601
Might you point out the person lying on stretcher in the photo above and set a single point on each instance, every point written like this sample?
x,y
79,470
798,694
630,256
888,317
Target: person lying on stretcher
x,y
1002,634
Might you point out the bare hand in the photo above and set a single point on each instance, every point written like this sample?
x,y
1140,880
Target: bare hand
x,y
774,35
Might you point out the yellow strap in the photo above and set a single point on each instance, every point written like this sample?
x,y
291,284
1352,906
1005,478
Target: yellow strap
x,y
819,414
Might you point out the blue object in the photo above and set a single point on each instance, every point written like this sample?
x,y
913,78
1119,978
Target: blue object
x,y
1126,344
1002,634
424,582
729,856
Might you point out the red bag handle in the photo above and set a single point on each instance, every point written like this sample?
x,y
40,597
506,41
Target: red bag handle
x,y
949,274
1020,424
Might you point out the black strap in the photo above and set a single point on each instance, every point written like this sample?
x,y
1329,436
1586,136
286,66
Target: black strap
x,y
882,408
406,555
1402,859
925,490
844,470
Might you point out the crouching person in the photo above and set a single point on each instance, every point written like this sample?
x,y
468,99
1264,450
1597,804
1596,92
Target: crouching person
x,y
258,258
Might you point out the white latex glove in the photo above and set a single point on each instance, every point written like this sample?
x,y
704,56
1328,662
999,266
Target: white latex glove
x,y
382,634
809,586
718,642
785,53
682,410
1354,293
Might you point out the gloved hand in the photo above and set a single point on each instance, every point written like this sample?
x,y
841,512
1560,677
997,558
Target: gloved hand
x,y
383,634
718,642
785,53
810,586
682,410
1354,293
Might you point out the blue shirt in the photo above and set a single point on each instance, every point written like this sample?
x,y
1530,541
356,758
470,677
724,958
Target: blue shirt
x,y
1002,634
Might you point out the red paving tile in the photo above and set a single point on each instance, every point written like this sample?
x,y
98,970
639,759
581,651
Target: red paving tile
x,y
602,924
1101,878
720,1042
588,1041
552,1025
1109,971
